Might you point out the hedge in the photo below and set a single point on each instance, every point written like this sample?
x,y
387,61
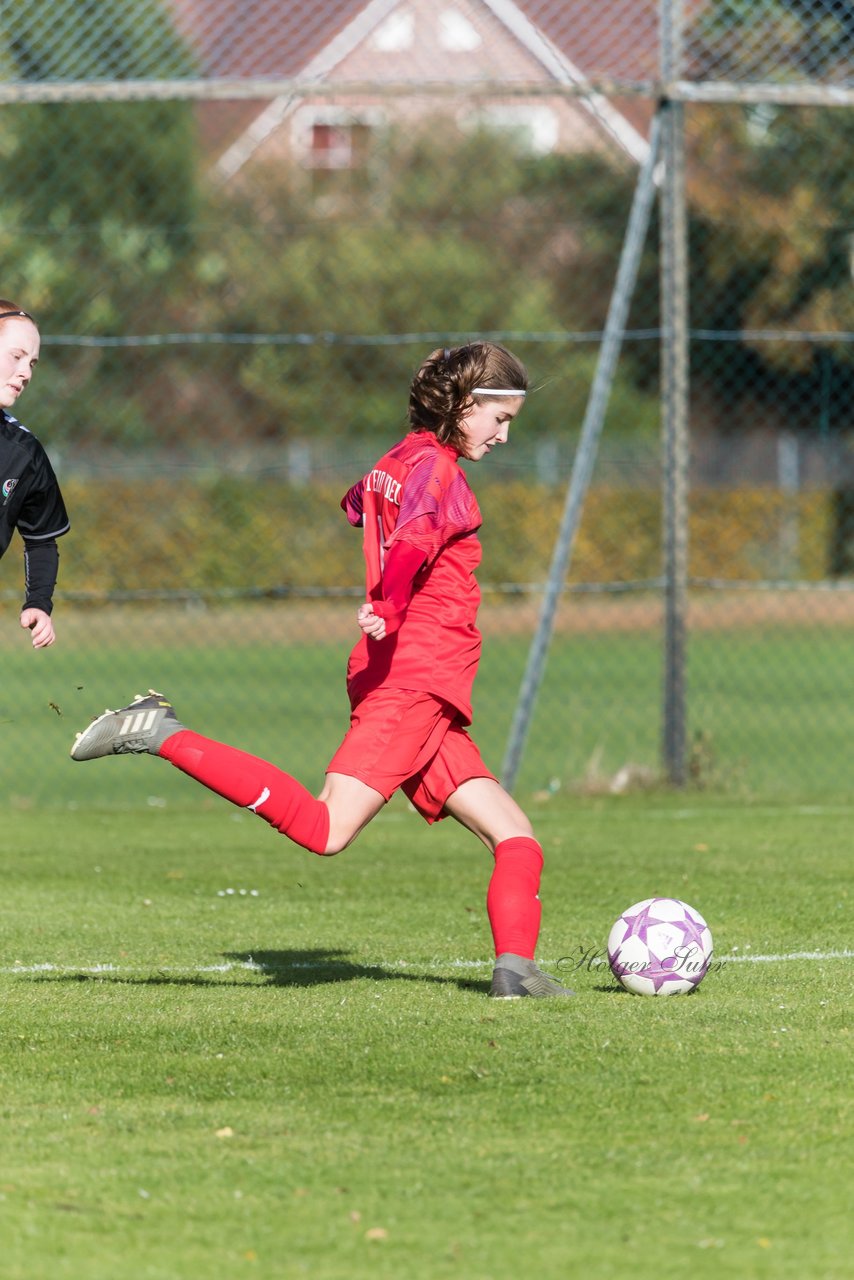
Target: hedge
x,y
231,533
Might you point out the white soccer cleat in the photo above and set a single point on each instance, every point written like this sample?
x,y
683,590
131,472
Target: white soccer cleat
x,y
142,727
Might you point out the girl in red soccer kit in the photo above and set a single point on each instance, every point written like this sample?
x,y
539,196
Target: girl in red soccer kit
x,y
410,675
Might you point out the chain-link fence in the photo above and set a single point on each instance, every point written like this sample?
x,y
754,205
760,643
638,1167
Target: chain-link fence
x,y
243,223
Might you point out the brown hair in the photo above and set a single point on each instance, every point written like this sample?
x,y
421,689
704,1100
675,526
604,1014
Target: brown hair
x,y
442,390
8,310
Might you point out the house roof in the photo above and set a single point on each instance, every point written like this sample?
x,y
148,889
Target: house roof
x,y
569,40
278,38
264,38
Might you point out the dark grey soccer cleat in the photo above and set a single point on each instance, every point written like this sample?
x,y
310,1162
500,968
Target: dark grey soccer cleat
x,y
141,727
515,976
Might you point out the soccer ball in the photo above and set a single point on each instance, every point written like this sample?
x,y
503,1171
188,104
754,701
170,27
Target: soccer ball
x,y
659,947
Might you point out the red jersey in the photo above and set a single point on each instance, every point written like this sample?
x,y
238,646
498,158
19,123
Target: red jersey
x,y
418,494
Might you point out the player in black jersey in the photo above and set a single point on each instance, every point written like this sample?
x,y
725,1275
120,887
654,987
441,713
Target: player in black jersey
x,y
30,500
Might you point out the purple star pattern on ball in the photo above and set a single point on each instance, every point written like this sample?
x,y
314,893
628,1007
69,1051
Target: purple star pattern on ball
x,y
660,946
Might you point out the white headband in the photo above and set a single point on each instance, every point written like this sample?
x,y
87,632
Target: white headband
x,y
493,391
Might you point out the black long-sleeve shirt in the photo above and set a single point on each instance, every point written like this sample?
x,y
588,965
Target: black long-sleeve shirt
x,y
31,502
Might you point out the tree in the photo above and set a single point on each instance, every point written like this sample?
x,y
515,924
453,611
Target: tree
x,y
88,161
106,189
456,236
771,195
100,199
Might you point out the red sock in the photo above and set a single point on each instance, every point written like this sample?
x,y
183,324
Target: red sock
x,y
511,902
252,784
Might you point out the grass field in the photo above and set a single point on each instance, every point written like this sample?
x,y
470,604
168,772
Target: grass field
x,y
309,1079
770,707
305,1076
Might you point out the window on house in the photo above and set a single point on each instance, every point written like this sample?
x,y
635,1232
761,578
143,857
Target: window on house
x,y
395,34
331,147
456,33
337,154
533,130
335,145
339,146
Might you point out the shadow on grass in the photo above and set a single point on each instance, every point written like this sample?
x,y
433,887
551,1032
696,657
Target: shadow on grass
x,y
310,968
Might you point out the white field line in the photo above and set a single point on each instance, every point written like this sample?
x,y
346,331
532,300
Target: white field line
x,y
844,954
234,966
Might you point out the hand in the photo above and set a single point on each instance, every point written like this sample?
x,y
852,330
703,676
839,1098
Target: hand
x,y
371,623
39,623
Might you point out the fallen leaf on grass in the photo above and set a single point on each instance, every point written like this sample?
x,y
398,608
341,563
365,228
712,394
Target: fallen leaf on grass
x,y
225,1132
376,1233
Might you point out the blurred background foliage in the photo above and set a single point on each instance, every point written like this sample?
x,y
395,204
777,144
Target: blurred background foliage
x,y
112,222
135,237
221,359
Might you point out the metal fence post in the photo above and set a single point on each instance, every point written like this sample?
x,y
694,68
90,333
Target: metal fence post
x,y
675,357
585,456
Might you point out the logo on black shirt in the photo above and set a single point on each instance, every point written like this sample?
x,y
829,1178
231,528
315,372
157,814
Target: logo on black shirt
x,y
8,486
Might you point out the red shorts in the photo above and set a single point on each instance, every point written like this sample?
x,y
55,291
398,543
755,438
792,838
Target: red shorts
x,y
398,738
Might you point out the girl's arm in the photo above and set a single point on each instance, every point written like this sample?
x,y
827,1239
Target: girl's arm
x,y
41,566
381,618
41,563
